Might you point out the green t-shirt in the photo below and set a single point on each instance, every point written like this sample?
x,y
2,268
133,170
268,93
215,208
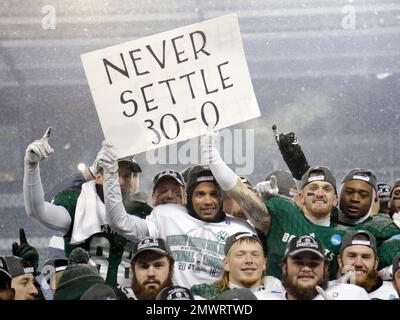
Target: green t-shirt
x,y
110,251
288,221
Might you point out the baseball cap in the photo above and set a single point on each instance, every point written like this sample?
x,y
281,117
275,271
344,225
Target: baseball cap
x,y
348,240
198,174
396,185
172,174
131,160
59,264
384,191
236,294
13,266
175,293
151,244
5,279
237,236
396,263
285,182
305,243
320,173
362,174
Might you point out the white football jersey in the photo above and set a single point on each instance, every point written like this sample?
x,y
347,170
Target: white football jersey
x,y
385,292
197,246
335,291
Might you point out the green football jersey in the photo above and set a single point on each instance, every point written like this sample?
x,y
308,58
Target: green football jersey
x,y
288,221
387,250
110,251
380,225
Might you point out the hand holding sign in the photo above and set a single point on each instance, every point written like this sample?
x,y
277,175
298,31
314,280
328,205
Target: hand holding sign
x,y
107,158
39,149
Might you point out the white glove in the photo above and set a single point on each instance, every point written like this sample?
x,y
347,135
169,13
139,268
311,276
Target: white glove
x,y
323,293
39,149
396,219
208,148
348,275
95,167
386,273
107,158
266,188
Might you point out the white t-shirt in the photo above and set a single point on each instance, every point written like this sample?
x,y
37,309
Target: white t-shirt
x,y
197,246
337,291
385,292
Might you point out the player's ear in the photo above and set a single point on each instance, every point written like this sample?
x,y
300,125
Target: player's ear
x,y
300,198
227,266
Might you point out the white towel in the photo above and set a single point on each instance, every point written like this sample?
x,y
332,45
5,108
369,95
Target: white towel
x,y
90,213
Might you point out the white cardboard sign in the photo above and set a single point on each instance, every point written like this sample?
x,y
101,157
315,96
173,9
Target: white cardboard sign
x,y
169,87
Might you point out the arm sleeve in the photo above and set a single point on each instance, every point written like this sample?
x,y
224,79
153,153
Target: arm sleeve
x,y
51,216
129,226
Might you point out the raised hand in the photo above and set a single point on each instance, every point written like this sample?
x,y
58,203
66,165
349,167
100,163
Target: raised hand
x,y
107,157
291,152
267,188
39,149
25,251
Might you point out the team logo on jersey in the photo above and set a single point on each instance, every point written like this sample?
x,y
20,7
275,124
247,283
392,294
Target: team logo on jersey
x,y
336,239
222,235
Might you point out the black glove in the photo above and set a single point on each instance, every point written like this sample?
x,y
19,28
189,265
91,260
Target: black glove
x,y
25,251
292,154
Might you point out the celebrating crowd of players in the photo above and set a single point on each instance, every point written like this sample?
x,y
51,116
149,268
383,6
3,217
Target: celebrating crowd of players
x,y
208,234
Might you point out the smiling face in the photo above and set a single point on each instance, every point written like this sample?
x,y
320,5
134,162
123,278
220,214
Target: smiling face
x,y
206,200
363,260
318,199
168,191
356,198
245,263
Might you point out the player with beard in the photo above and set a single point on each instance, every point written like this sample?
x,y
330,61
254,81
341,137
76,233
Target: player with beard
x,y
152,268
305,274
358,262
79,214
244,267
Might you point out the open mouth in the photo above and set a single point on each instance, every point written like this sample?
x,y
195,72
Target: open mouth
x,y
360,272
249,270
